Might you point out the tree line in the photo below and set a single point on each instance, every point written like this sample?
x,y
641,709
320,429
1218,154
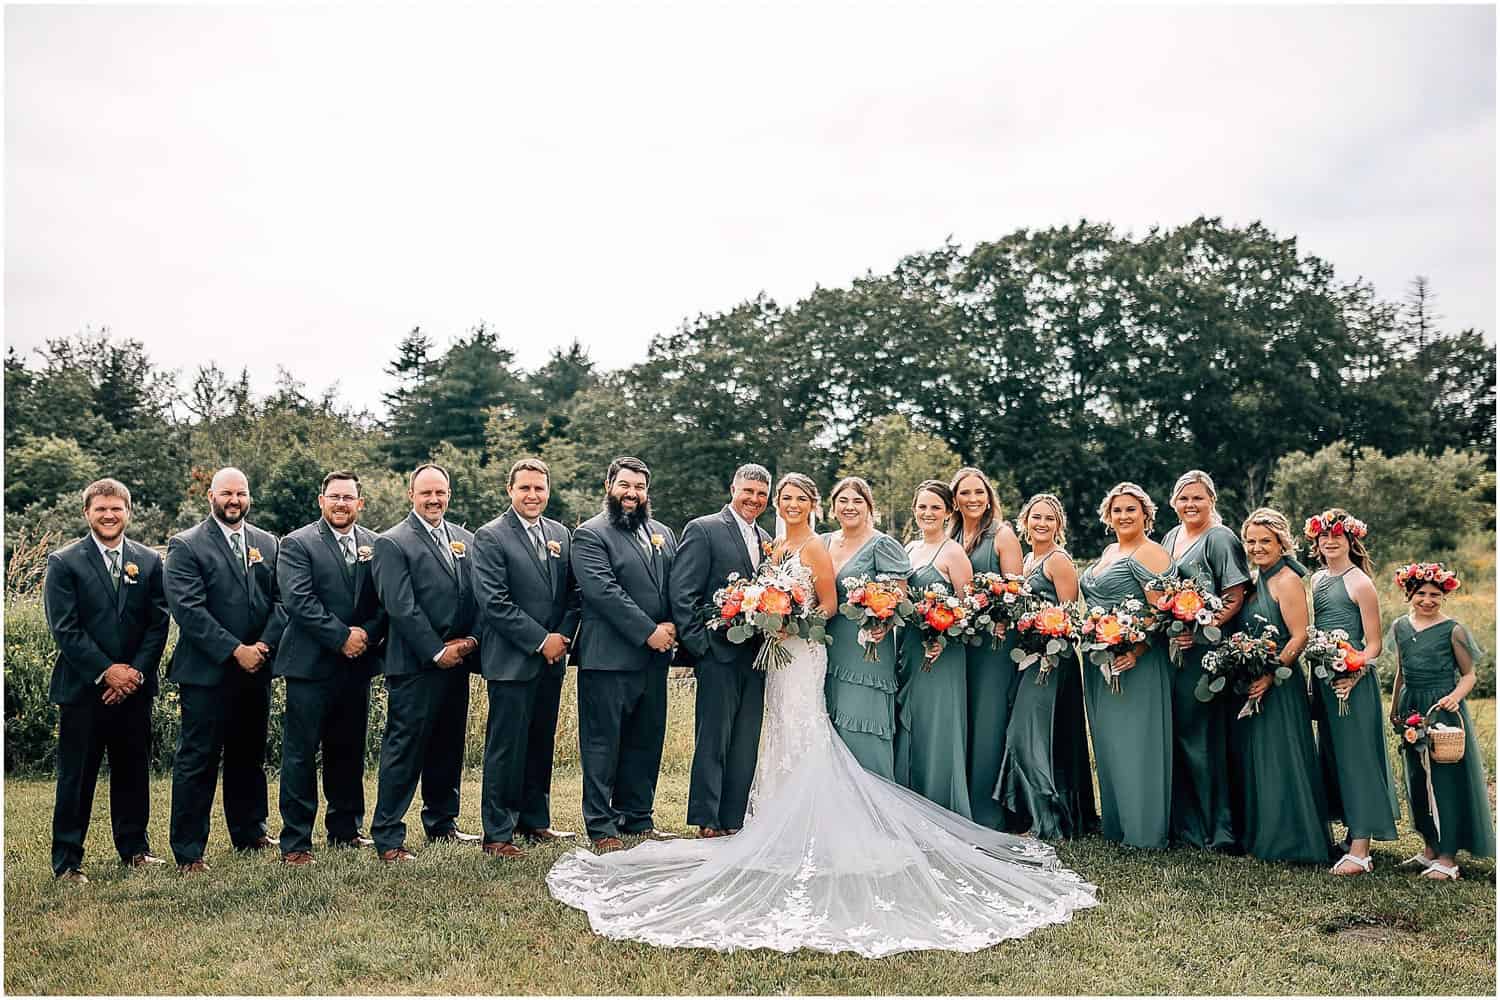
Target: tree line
x,y
1062,359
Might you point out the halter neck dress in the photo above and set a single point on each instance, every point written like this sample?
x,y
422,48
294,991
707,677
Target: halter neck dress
x,y
992,690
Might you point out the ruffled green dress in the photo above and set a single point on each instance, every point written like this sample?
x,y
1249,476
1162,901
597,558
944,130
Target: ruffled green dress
x,y
992,689
861,695
1045,782
1429,671
1351,748
1204,782
1133,729
932,713
1286,814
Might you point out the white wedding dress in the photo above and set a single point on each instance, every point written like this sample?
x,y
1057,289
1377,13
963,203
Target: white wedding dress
x,y
831,858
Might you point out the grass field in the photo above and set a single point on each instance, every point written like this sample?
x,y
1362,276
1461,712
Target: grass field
x,y
458,922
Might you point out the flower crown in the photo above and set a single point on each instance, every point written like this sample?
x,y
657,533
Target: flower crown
x,y
1413,575
1335,524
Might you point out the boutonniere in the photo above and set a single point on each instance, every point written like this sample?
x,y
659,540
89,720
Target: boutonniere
x,y
554,549
131,572
255,558
766,549
657,541
365,553
459,549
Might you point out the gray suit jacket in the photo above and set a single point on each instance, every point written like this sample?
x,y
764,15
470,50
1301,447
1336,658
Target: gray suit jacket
x,y
624,594
322,600
521,599
426,602
217,604
710,550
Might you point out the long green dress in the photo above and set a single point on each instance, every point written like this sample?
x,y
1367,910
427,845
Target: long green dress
x,y
1045,783
862,695
992,688
1286,814
1429,671
1351,748
1133,729
1204,784
932,712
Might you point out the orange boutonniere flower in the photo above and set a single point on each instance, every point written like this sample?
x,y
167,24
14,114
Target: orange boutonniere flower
x,y
657,541
459,549
365,553
131,572
255,558
554,549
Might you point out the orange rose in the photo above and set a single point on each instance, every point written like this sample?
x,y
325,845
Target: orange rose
x,y
1053,621
1187,603
1013,586
941,617
730,609
882,603
1410,736
1109,630
775,602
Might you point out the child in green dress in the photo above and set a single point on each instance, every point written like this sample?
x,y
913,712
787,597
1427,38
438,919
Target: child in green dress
x,y
1435,658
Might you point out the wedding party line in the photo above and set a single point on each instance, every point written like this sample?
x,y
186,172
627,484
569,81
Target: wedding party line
x,y
965,672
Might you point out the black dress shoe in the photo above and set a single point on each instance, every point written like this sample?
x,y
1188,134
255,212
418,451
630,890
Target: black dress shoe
x,y
456,836
359,840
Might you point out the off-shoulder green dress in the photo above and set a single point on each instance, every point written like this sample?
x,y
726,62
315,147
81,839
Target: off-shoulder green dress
x,y
862,695
1132,729
992,689
1204,785
1352,748
1286,814
1429,672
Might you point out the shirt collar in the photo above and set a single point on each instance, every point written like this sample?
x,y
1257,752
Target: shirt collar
x,y
527,522
105,550
745,526
430,528
228,531
337,534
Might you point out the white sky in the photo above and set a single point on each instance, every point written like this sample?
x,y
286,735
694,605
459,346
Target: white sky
x,y
302,186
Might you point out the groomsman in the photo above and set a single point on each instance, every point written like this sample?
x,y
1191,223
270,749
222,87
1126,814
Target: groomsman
x,y
108,615
528,612
221,586
423,578
731,692
334,625
622,559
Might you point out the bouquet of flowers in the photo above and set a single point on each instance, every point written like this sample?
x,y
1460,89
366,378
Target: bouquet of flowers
x,y
999,600
1243,659
1187,607
1043,637
875,603
776,605
942,618
1329,656
1106,634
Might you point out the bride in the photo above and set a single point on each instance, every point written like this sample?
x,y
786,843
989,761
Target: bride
x,y
832,857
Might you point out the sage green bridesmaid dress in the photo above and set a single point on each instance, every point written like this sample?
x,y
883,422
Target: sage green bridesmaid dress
x,y
932,713
992,689
1133,729
861,695
1352,748
1286,814
1429,671
1045,784
1204,784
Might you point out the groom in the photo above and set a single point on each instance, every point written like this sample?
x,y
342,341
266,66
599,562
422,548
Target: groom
x,y
731,692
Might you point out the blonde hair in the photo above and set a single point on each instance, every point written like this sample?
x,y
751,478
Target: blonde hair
x,y
1275,521
1061,538
804,483
1129,490
1190,477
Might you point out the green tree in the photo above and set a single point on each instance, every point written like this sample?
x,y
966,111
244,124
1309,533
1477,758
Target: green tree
x,y
39,469
894,459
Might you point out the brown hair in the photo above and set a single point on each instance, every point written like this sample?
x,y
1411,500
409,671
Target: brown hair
x,y
529,465
337,475
412,480
806,485
988,518
858,485
1358,554
1276,522
106,488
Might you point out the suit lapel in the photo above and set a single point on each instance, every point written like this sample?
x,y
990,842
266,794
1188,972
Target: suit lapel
x,y
90,552
519,530
650,560
360,572
345,570
560,570
241,570
733,527
424,531
125,583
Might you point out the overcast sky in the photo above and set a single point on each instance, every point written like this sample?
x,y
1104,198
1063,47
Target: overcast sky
x,y
301,187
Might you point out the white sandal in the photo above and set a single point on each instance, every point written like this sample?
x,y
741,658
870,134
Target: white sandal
x,y
1366,865
1421,861
1439,872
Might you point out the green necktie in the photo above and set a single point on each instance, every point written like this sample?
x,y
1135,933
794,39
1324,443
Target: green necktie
x,y
113,556
239,551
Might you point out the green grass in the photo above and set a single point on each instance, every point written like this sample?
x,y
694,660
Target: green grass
x,y
457,922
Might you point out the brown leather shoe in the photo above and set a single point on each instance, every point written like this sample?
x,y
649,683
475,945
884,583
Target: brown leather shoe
x,y
260,843
142,860
605,845
358,840
547,835
709,833
73,875
503,850
298,858
193,867
399,854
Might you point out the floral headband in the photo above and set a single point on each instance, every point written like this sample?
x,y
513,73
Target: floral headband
x,y
1335,524
1413,575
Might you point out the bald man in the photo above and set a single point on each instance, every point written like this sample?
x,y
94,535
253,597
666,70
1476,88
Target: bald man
x,y
221,587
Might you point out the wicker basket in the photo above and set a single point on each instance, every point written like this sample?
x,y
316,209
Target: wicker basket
x,y
1445,746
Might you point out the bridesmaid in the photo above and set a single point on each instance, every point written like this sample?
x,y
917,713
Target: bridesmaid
x,y
1286,815
932,721
1203,791
992,547
862,695
1132,729
1045,783
1356,768
1435,658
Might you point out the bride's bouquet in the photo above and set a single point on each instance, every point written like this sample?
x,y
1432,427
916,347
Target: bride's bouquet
x,y
1242,659
999,600
941,618
1329,656
875,603
1105,634
776,605
1188,608
1042,638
